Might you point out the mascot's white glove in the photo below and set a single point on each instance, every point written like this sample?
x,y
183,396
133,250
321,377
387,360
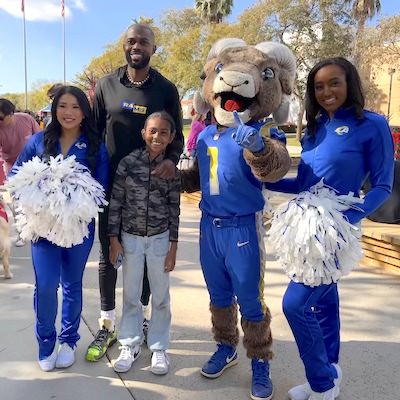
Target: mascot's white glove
x,y
246,136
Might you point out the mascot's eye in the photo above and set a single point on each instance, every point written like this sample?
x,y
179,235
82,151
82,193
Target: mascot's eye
x,y
268,73
219,67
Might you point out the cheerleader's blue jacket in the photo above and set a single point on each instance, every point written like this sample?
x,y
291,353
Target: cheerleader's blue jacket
x,y
344,151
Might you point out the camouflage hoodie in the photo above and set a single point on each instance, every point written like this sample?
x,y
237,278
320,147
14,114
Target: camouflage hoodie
x,y
143,204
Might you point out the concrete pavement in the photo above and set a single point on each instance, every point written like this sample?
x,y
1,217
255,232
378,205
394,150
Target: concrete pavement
x,y
370,355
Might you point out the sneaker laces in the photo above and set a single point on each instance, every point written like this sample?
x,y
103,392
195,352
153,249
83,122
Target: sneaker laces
x,y
126,353
161,357
100,338
216,358
260,373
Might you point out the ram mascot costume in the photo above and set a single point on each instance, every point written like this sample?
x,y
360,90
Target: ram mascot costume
x,y
242,86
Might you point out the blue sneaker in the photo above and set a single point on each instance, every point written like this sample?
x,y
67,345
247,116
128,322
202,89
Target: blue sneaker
x,y
261,385
223,358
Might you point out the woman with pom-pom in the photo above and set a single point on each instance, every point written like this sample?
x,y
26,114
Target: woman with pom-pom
x,y
70,133
343,143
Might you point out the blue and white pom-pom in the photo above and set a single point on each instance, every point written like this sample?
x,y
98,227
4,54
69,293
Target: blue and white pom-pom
x,y
311,238
55,200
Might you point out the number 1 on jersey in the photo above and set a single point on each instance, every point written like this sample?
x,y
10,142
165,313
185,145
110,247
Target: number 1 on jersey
x,y
214,184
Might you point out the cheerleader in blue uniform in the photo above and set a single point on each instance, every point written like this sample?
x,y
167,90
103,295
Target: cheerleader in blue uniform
x,y
343,144
70,133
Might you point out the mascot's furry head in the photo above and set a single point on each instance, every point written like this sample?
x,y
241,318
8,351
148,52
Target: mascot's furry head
x,y
255,81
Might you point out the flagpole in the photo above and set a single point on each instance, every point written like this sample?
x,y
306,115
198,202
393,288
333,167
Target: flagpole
x,y
63,17
25,64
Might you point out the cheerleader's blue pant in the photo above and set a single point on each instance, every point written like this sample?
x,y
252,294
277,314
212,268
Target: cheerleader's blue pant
x,y
54,265
232,263
313,316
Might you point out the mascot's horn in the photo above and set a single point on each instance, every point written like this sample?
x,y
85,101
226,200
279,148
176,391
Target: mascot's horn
x,y
285,58
222,44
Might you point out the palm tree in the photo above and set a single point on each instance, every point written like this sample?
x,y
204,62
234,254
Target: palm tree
x,y
361,11
213,11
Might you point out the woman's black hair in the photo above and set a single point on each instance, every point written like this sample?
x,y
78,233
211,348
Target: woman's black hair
x,y
53,131
355,96
162,115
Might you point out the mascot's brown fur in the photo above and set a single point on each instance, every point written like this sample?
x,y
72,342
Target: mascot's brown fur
x,y
254,81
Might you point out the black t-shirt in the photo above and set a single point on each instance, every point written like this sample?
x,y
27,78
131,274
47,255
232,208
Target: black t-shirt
x,y
120,110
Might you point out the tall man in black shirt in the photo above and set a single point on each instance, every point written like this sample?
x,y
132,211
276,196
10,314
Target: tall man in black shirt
x,y
123,101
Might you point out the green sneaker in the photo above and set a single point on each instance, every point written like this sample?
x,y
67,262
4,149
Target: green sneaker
x,y
102,341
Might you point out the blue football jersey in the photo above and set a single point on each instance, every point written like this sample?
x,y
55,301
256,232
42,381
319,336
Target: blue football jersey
x,y
228,186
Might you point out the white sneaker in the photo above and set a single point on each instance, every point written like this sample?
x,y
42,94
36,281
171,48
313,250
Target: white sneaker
x,y
126,358
159,362
66,356
328,395
19,242
303,392
300,392
49,363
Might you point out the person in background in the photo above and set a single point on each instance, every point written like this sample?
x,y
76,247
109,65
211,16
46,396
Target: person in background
x,y
198,124
149,220
70,133
15,130
123,101
51,92
343,144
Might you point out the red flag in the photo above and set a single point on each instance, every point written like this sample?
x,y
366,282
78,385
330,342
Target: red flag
x,y
62,8
22,5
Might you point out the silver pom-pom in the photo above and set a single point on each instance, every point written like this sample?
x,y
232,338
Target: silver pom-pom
x,y
56,200
311,238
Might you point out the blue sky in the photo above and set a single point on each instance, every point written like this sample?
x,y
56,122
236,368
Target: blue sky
x,y
90,25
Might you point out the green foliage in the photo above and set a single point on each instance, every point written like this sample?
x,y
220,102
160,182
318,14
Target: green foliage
x,y
380,49
382,42
18,99
313,29
213,11
186,42
112,58
37,97
362,10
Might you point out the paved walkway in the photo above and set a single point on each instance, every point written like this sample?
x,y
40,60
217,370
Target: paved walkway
x,y
370,355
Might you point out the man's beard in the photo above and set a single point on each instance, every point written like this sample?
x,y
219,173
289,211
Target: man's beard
x,y
143,63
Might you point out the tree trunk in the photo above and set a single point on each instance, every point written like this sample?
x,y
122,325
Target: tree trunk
x,y
299,126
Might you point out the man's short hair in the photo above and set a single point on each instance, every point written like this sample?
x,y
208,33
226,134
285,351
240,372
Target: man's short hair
x,y
140,26
6,107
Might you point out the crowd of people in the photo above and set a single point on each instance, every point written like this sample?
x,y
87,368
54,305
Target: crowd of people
x,y
131,142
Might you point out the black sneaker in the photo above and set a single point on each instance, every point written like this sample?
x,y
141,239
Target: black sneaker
x,y
102,341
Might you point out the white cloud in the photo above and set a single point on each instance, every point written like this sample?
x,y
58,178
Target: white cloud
x,y
41,10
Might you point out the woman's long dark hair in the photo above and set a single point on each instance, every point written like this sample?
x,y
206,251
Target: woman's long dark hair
x,y
355,96
53,132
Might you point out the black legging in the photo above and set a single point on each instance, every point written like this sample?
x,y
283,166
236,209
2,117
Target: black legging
x,y
107,272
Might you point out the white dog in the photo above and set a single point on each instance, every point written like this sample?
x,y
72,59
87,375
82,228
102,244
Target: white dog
x,y
5,243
